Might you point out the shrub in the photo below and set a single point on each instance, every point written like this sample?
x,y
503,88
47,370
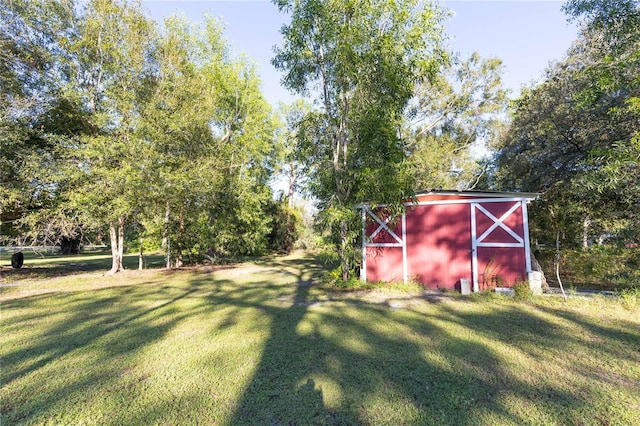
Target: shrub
x,y
485,296
630,298
522,291
285,226
333,280
604,267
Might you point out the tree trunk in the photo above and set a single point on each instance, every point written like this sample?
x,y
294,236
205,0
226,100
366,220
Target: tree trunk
x,y
121,240
535,266
586,223
168,253
292,184
557,265
140,257
113,241
179,240
116,238
70,245
165,227
344,254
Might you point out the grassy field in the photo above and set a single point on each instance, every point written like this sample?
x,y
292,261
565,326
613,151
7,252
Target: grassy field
x,y
261,344
43,266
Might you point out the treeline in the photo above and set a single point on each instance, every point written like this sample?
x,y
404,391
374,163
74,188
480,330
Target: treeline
x,y
575,136
114,126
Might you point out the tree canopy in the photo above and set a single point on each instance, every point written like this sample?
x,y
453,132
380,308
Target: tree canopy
x,y
576,135
463,109
34,68
113,124
132,125
360,62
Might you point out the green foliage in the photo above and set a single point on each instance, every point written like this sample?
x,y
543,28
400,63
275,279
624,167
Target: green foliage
x,y
609,15
605,267
291,147
113,65
453,114
35,118
574,136
522,291
364,60
111,123
630,298
485,296
334,280
212,154
285,226
310,239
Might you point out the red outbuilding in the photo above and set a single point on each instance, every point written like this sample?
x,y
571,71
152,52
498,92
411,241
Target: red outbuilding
x,y
446,239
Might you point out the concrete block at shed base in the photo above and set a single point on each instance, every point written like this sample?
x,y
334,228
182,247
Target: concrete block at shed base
x,y
465,286
505,290
535,282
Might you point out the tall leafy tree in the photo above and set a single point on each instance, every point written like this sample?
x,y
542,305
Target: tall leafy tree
x,y
575,135
290,144
612,31
463,109
35,117
114,63
211,132
176,121
108,122
360,61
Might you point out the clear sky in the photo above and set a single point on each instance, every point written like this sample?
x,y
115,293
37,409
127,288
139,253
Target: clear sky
x,y
526,35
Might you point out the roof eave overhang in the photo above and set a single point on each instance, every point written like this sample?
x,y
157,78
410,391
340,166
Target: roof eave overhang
x,y
529,196
481,194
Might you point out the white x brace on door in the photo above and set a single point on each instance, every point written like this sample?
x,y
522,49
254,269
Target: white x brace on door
x,y
498,222
383,225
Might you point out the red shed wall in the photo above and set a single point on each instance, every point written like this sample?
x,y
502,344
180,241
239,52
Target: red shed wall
x,y
500,267
384,264
439,197
439,244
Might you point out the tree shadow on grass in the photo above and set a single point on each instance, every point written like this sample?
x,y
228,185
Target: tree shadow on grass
x,y
310,361
358,363
347,364
52,266
96,334
540,329
580,362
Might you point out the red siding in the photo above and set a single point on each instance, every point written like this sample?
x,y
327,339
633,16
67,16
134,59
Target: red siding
x,y
439,244
514,221
501,266
439,197
384,264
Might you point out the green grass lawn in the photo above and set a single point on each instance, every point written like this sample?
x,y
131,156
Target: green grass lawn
x,y
261,344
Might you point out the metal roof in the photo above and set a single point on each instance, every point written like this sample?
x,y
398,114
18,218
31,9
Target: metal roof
x,y
480,194
471,194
